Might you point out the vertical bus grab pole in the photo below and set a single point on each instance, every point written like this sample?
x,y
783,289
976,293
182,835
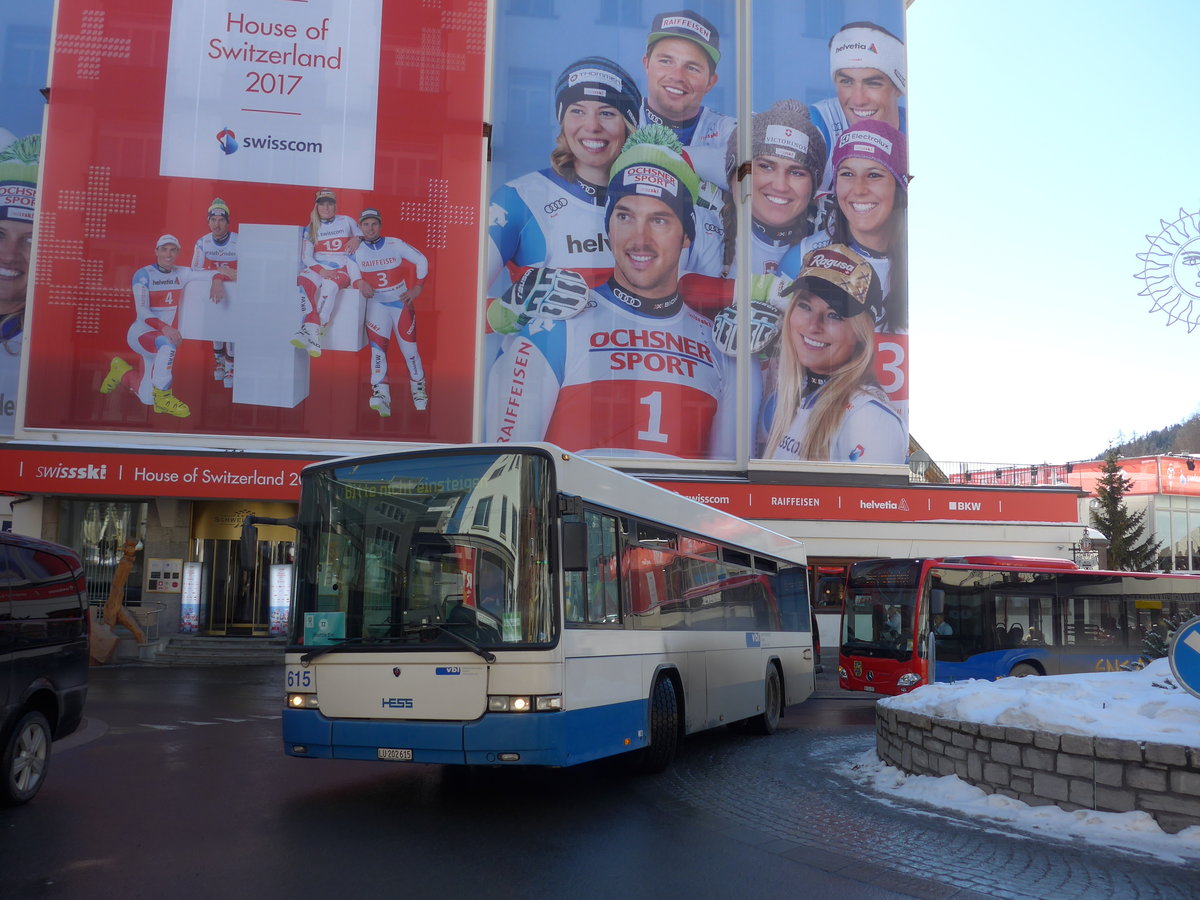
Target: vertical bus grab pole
x,y
931,655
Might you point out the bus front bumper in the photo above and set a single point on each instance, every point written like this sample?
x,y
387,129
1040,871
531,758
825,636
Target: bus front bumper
x,y
534,739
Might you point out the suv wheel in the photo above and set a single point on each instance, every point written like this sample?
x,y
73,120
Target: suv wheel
x,y
26,759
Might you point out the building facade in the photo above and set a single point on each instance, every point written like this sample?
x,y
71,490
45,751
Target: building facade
x,y
263,237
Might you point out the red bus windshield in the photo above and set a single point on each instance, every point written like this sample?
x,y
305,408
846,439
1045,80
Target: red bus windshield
x,y
880,609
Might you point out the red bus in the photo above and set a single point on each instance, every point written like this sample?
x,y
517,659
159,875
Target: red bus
x,y
909,622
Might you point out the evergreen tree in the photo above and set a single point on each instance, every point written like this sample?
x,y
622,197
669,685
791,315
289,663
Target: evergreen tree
x,y
1127,551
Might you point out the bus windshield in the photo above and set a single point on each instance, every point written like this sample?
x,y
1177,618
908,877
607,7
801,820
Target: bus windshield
x,y
881,599
429,551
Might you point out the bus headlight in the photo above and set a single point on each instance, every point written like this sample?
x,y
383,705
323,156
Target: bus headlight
x,y
523,703
302,701
841,672
908,679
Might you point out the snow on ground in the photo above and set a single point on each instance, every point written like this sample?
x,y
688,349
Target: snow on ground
x,y
1143,706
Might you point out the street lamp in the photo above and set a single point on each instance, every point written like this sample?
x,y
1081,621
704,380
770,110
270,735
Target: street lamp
x,y
1084,553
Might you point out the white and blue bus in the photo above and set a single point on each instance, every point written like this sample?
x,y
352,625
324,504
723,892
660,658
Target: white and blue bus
x,y
521,605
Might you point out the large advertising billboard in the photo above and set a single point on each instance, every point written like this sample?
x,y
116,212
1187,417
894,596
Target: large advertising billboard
x,y
24,51
623,215
260,218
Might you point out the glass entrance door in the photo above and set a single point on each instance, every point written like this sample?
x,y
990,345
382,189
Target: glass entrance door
x,y
234,602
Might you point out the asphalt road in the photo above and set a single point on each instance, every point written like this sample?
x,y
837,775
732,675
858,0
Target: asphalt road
x,y
177,787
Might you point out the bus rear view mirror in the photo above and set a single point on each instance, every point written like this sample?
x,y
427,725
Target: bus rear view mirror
x,y
574,547
937,601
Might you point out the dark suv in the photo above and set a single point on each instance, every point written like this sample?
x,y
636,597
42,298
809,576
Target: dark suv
x,y
43,658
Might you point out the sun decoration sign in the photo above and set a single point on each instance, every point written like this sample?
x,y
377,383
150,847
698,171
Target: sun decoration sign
x,y
1172,270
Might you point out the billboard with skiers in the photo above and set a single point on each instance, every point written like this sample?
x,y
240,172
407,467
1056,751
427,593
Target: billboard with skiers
x,y
350,220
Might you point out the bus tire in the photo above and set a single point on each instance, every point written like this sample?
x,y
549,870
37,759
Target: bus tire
x,y
664,729
1020,670
768,721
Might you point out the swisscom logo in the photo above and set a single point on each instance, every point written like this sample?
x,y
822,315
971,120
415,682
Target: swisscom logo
x,y
228,141
229,144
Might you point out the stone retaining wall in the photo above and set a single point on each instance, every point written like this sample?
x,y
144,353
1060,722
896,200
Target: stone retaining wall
x,y
1041,768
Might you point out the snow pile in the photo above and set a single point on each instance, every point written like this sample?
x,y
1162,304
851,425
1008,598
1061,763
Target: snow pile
x,y
1145,706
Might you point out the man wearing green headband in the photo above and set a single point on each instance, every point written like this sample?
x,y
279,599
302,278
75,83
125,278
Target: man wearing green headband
x,y
635,373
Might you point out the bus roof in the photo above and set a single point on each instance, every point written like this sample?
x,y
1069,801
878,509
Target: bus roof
x,y
622,492
1017,562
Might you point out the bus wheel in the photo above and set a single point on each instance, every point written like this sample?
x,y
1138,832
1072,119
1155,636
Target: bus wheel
x,y
1020,670
664,729
773,702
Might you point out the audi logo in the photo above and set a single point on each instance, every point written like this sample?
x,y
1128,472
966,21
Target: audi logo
x,y
556,205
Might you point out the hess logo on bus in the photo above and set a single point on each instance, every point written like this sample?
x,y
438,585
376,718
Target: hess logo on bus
x,y
397,703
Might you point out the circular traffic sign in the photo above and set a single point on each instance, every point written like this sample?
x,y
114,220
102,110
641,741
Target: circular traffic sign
x,y
1184,656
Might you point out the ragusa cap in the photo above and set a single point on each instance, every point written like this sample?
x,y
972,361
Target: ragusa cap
x,y
842,278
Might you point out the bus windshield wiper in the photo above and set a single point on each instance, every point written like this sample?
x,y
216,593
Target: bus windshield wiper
x,y
346,642
488,655
408,629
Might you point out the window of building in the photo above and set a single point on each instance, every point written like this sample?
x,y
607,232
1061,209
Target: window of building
x,y
25,55
822,20
543,9
529,100
626,13
97,531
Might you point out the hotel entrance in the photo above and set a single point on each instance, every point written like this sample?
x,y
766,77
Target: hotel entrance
x,y
232,602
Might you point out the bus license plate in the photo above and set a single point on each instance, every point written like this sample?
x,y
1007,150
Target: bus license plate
x,y
394,753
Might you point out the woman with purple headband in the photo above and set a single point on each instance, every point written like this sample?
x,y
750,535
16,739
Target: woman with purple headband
x,y
870,185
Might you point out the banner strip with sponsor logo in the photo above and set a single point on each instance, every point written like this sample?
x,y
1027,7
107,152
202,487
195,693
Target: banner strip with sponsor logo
x,y
217,476
922,503
230,476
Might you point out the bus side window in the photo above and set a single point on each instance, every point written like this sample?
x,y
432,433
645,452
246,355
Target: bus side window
x,y
593,597
790,587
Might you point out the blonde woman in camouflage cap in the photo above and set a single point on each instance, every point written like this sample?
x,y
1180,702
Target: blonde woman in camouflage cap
x,y
788,161
827,404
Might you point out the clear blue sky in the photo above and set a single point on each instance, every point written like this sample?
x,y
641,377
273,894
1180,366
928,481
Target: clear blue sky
x,y
1048,139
